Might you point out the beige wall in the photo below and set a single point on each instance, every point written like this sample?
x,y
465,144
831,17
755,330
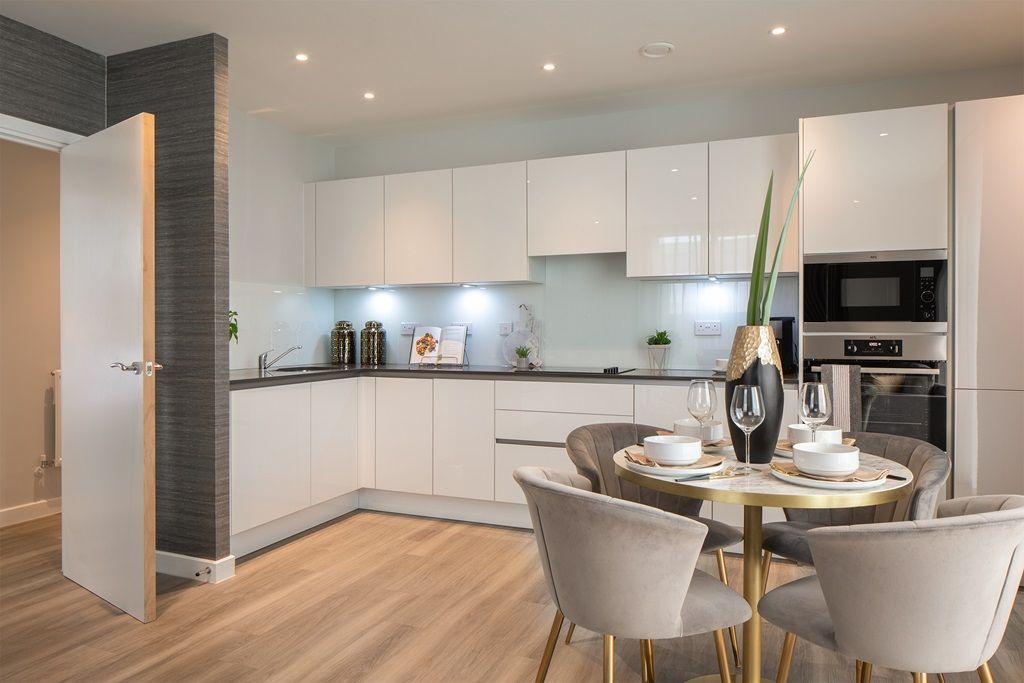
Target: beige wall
x,y
29,320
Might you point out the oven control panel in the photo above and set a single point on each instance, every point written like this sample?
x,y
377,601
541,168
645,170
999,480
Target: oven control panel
x,y
877,348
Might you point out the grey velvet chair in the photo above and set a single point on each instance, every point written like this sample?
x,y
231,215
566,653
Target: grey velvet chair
x,y
930,466
591,448
623,569
921,596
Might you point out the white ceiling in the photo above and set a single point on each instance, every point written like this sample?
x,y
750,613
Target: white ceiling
x,y
439,60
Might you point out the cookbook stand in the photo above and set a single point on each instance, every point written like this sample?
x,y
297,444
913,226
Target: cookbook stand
x,y
440,361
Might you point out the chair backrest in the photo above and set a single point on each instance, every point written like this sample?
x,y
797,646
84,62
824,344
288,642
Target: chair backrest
x,y
612,566
591,448
930,595
929,464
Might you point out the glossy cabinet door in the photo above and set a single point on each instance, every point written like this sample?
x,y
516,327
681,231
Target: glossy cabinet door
x,y
489,225
418,228
349,248
879,181
577,204
464,438
404,418
738,173
988,435
334,425
667,211
270,446
509,457
989,307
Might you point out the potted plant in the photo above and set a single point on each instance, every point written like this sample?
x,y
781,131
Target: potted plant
x,y
522,358
754,359
657,349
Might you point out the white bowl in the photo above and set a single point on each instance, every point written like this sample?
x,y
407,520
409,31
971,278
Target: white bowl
x,y
672,449
721,364
826,459
713,429
801,433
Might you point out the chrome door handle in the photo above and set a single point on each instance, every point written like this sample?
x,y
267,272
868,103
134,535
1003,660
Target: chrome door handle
x,y
135,368
151,367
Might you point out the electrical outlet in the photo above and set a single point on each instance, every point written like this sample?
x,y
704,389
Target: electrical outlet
x,y
504,329
707,328
468,326
409,328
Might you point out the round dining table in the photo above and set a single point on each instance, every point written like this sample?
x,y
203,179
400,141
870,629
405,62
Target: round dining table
x,y
754,491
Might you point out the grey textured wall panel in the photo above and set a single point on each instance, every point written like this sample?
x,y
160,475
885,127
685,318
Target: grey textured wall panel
x,y
50,81
185,86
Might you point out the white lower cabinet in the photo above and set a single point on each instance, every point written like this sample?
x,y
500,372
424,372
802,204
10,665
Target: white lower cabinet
x,y
508,457
404,418
270,467
464,438
333,441
988,432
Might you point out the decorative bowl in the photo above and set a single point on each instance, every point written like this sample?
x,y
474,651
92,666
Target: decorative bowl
x,y
826,459
673,449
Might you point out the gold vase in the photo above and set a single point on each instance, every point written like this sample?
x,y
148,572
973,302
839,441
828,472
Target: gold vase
x,y
755,360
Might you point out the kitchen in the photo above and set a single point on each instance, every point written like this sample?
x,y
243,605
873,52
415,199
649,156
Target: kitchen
x,y
579,238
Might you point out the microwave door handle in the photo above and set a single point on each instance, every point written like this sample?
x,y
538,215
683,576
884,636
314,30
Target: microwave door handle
x,y
889,371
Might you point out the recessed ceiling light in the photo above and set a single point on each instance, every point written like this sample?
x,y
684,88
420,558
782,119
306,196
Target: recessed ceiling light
x,y
675,170
369,96
883,135
693,199
550,66
656,50
302,57
778,30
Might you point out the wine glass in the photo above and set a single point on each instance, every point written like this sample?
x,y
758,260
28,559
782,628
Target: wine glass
x,y
815,406
702,401
747,411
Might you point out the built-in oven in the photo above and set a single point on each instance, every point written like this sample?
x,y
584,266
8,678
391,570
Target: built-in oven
x,y
903,380
868,292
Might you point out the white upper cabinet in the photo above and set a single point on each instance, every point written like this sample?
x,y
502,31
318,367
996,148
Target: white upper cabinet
x,y
577,204
667,211
879,181
738,172
350,232
418,228
489,225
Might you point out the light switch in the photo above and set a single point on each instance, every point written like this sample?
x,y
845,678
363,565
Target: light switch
x,y
504,329
409,328
707,328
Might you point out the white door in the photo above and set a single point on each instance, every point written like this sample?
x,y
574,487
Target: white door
x,y
108,421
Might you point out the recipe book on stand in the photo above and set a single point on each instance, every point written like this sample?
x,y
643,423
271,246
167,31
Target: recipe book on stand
x,y
439,346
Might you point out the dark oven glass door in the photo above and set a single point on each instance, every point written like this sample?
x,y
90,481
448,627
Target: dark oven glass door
x,y
872,291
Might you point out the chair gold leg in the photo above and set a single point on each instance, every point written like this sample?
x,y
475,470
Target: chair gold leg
x,y
766,565
609,659
645,675
942,678
734,641
723,658
549,649
985,673
865,672
649,652
860,665
787,658
920,678
568,636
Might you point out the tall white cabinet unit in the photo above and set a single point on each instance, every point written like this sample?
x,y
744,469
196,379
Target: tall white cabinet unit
x,y
738,173
404,423
879,181
418,228
989,307
577,204
349,232
667,211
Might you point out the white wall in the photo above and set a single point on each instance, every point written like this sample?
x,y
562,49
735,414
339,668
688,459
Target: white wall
x,y
267,167
589,314
701,114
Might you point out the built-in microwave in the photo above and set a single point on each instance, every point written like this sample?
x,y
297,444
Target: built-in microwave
x,y
900,290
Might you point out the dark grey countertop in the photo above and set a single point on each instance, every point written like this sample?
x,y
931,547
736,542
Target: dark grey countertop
x,y
249,378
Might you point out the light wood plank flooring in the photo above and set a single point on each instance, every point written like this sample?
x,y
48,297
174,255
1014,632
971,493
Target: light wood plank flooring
x,y
369,597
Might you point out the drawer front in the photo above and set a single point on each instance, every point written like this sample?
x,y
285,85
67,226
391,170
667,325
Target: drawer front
x,y
507,457
565,397
525,425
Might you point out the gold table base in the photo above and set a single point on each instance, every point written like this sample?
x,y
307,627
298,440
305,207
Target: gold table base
x,y
715,678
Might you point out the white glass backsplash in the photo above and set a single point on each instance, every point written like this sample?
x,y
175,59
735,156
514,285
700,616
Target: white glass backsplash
x,y
274,316
588,313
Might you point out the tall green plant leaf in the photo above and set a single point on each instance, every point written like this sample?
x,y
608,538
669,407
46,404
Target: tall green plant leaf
x,y
757,272
769,294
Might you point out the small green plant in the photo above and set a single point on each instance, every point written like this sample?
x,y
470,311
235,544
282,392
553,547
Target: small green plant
x,y
659,338
523,351
233,326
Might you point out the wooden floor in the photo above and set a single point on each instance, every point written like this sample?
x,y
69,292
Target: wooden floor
x,y
370,597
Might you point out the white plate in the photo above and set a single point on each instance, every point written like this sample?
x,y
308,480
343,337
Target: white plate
x,y
831,485
675,473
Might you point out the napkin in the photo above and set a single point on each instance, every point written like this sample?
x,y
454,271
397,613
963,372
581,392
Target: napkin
x,y
787,445
863,474
635,455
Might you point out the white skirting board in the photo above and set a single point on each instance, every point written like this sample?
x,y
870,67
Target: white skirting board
x,y
196,568
253,539
29,511
461,509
